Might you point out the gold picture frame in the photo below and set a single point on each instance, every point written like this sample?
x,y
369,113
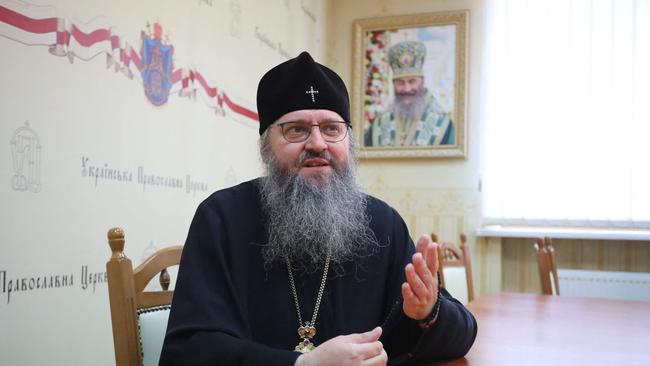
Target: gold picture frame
x,y
424,58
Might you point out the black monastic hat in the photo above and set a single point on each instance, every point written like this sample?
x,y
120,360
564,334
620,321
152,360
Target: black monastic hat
x,y
300,83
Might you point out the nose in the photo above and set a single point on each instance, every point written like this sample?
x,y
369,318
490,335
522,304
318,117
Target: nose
x,y
315,141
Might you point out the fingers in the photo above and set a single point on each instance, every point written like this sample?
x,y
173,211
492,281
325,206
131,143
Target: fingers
x,y
419,276
370,336
429,252
408,295
366,345
423,244
415,290
370,350
432,258
420,289
378,360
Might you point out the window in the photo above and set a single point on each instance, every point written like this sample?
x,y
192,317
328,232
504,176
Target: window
x,y
566,107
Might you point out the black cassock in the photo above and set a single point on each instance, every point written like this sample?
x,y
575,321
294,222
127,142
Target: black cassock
x,y
229,310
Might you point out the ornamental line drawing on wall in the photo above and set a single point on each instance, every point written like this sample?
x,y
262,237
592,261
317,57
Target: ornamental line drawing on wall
x,y
26,160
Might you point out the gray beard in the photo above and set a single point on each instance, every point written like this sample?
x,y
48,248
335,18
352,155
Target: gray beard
x,y
309,220
410,111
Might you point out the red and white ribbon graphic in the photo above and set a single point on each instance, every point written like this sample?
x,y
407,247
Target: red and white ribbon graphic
x,y
36,25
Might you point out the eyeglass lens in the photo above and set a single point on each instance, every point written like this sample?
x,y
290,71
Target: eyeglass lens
x,y
298,131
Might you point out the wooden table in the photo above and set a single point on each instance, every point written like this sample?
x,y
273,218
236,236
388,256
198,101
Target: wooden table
x,y
525,329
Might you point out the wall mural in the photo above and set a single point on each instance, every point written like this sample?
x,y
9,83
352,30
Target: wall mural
x,y
151,62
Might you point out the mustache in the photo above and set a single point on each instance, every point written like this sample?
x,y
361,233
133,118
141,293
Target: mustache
x,y
407,94
310,155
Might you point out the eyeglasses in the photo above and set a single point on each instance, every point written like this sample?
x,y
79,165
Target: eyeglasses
x,y
299,131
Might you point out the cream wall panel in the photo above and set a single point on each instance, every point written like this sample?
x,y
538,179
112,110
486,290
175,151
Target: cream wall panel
x,y
520,273
489,266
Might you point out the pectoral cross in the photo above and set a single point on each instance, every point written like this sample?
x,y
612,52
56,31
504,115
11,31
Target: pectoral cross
x,y
312,92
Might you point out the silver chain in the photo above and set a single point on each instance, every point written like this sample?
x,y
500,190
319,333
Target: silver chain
x,y
318,298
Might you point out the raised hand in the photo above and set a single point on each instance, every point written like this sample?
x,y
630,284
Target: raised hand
x,y
420,291
348,350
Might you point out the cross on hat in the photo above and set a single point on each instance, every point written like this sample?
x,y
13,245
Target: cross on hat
x,y
293,85
312,92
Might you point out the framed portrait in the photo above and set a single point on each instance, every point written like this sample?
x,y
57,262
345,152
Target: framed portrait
x,y
409,85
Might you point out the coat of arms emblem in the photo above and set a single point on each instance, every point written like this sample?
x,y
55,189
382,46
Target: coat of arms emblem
x,y
157,65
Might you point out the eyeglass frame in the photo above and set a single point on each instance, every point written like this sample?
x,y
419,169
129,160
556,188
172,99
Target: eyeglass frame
x,y
347,124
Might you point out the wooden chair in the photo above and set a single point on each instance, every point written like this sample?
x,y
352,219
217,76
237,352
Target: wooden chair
x,y
450,255
139,317
547,264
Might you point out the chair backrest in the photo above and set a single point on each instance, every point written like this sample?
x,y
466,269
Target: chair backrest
x,y
139,317
451,255
547,264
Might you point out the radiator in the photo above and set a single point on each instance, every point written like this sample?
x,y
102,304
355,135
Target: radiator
x,y
605,284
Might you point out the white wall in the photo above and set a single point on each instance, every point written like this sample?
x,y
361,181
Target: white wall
x,y
83,112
